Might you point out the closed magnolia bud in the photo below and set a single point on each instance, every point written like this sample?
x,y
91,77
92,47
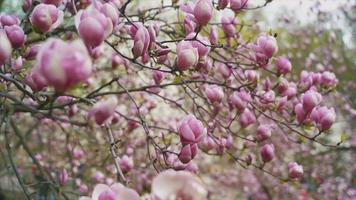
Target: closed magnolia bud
x,y
63,177
93,25
311,99
5,47
16,35
295,170
223,3
251,75
214,36
31,52
299,111
237,5
189,24
263,132
188,153
9,20
267,152
158,76
224,70
229,142
191,130
249,159
103,110
214,93
63,64
284,66
26,5
46,17
142,40
110,11
187,55
268,45
247,118
203,11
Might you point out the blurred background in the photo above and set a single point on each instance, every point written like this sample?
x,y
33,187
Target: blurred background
x,y
316,35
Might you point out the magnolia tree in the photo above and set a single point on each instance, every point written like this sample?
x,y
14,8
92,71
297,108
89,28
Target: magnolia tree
x,y
175,100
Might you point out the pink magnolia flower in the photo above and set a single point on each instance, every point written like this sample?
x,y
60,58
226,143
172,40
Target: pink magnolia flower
x,y
214,36
237,5
247,118
178,185
191,130
203,45
103,111
328,79
116,191
35,80
300,113
158,76
32,51
187,55
252,75
240,99
141,38
189,24
98,177
26,5
265,48
214,93
267,152
295,170
53,2
9,20
263,132
17,64
224,70
203,11
63,177
311,99
207,143
126,163
229,142
188,7
45,18
324,117
94,25
5,47
64,65
284,66
16,35
188,153
228,24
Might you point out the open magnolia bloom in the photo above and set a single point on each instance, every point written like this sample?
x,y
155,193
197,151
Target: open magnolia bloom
x,y
177,185
114,192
